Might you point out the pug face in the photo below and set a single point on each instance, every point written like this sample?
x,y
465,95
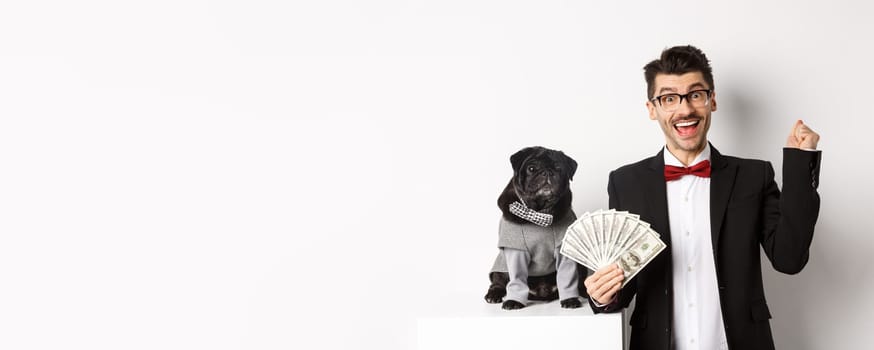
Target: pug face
x,y
541,176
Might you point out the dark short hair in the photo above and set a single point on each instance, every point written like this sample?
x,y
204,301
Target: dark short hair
x,y
677,60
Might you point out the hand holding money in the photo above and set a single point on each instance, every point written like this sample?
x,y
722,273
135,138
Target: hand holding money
x,y
615,244
604,283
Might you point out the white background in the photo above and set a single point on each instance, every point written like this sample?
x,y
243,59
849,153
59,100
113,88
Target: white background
x,y
287,175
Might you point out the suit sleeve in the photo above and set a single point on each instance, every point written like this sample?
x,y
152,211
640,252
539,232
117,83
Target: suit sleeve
x,y
790,217
627,293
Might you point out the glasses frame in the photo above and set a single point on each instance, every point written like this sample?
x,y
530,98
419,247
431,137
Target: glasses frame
x,y
682,97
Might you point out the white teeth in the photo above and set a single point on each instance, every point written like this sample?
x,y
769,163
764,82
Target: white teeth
x,y
686,123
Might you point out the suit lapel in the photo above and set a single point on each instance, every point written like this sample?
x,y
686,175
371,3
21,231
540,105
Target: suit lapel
x,y
657,196
722,175
657,205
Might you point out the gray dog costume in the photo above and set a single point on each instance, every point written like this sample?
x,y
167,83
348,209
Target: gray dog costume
x,y
529,249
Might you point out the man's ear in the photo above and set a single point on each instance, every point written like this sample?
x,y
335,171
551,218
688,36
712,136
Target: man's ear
x,y
713,101
518,158
652,110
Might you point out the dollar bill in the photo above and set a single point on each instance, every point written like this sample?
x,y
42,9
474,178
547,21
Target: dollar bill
x,y
575,255
589,234
578,250
615,229
644,249
630,230
580,239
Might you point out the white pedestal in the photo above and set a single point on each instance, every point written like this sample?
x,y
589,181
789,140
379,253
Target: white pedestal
x,y
468,322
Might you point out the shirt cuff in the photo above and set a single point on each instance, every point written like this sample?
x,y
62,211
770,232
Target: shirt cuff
x,y
803,149
603,305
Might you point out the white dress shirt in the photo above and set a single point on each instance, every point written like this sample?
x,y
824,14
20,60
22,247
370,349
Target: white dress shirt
x,y
697,313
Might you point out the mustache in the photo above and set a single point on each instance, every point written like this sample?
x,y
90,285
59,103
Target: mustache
x,y
686,118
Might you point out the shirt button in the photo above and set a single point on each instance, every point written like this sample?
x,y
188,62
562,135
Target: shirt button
x,y
691,305
686,199
689,268
692,340
687,233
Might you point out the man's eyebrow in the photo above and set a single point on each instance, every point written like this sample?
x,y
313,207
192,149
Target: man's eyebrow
x,y
668,89
692,86
696,85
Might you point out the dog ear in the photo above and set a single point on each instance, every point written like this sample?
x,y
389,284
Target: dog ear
x,y
518,158
571,165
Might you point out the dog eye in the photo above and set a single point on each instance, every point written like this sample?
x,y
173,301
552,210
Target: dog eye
x,y
531,168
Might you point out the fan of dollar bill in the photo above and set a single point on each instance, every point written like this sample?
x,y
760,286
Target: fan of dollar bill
x,y
604,237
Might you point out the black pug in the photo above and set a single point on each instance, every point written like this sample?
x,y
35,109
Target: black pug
x,y
536,207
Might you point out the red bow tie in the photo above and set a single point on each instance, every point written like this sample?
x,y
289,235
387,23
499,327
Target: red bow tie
x,y
701,169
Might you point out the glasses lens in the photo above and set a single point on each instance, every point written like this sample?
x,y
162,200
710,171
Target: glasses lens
x,y
698,98
670,101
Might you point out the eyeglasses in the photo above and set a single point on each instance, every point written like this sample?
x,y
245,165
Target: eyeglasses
x,y
670,102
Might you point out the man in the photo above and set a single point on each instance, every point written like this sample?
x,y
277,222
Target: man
x,y
713,211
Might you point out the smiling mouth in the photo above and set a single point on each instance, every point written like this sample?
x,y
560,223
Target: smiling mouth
x,y
686,127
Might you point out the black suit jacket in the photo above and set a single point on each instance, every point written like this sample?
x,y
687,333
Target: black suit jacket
x,y
747,210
